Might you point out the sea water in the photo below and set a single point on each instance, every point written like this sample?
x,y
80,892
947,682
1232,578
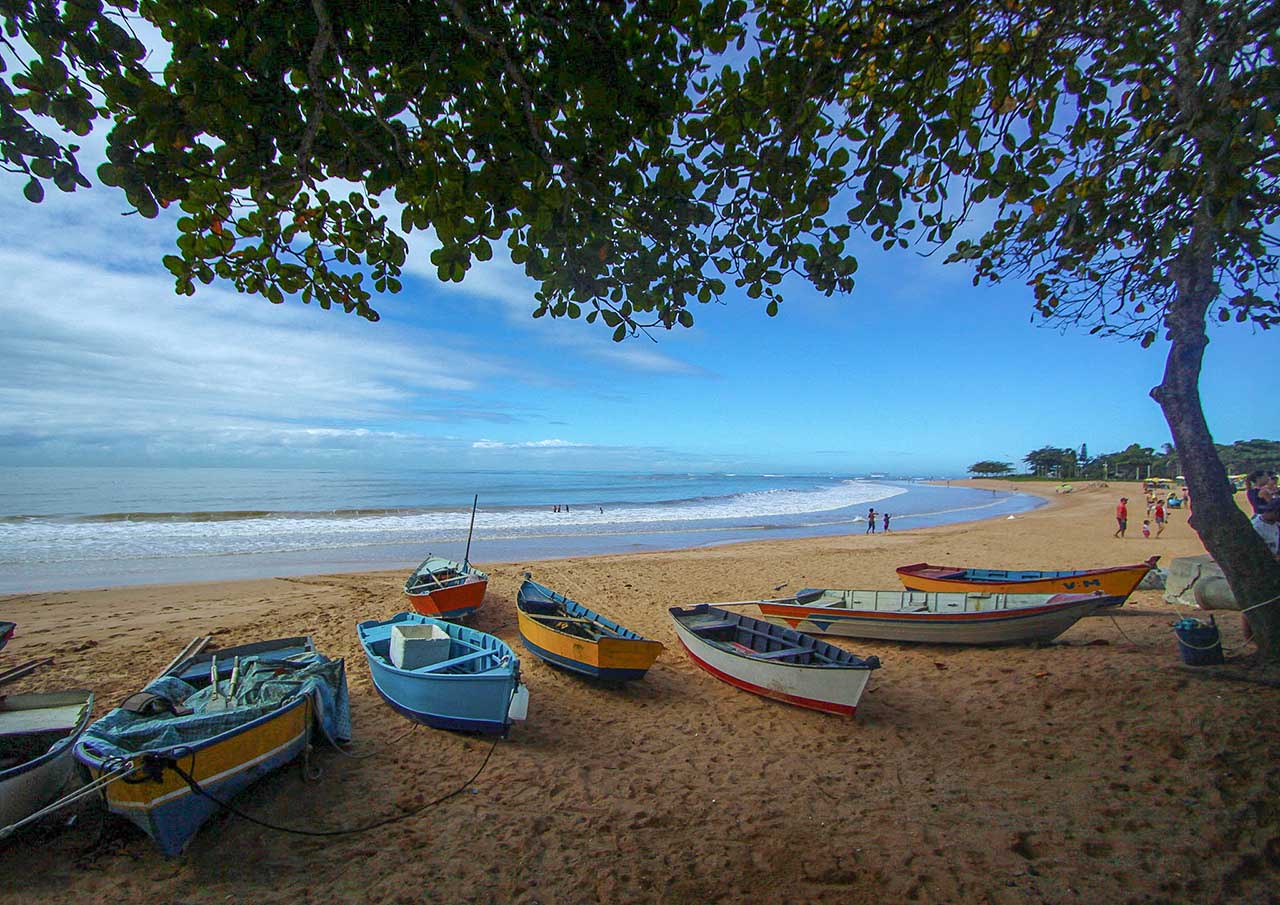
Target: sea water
x,y
64,528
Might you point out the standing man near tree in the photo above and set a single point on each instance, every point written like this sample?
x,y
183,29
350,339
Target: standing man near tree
x,y
1122,516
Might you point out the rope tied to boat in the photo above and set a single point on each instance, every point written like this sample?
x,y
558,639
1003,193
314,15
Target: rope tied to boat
x,y
1264,603
121,772
345,831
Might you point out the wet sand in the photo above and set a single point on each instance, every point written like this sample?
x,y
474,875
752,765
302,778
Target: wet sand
x,y
1096,769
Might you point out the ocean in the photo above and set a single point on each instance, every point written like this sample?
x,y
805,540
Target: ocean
x,y
63,528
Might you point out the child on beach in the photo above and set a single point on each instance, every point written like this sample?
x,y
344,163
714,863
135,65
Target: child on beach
x,y
871,521
1146,527
1161,517
1122,516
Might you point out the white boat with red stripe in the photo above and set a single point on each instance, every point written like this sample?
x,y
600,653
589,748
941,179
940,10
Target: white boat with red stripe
x,y
772,660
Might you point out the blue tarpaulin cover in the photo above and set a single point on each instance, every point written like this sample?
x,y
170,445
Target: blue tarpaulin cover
x,y
263,687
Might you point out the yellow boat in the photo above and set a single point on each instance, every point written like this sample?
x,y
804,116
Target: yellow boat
x,y
183,744
1115,583
566,634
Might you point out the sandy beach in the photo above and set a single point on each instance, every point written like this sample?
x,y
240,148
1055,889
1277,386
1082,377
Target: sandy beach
x,y
1092,770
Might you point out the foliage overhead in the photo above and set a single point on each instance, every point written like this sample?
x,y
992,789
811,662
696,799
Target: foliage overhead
x,y
630,177
544,124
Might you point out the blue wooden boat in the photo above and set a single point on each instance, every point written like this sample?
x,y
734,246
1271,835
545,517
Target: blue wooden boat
x,y
224,719
444,675
6,632
566,634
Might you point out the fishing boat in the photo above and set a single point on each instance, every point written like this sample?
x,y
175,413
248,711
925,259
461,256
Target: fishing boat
x,y
566,634
37,733
930,617
772,660
6,632
445,589
1115,583
444,675
209,726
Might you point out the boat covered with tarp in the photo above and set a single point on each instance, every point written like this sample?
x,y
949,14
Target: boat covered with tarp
x,y
210,726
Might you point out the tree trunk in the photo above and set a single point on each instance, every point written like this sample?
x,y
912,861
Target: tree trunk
x,y
1251,571
1202,82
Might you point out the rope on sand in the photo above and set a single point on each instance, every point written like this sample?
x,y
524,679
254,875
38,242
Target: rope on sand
x,y
296,831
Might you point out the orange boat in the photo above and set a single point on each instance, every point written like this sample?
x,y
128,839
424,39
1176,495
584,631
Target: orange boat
x,y
1115,583
446,589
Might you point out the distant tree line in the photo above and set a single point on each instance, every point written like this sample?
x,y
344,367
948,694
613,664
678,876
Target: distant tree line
x,y
1135,462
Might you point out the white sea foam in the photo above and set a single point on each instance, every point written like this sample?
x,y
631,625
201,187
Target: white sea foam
x,y
67,541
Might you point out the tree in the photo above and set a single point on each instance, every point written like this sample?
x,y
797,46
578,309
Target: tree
x,y
988,468
547,124
1124,155
1051,461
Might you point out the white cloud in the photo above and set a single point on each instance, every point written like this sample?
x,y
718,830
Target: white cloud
x,y
91,355
528,444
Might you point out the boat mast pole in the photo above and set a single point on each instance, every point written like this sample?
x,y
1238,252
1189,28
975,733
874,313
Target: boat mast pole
x,y
466,557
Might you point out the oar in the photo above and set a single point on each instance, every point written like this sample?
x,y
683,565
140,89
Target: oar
x,y
466,557
18,672
554,618
746,602
194,646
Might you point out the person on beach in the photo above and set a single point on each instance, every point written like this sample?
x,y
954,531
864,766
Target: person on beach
x,y
1260,488
1161,516
1146,528
886,523
1122,516
871,521
1267,524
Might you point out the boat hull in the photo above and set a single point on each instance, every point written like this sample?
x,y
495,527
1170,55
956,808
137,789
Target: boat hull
x,y
822,688
1013,624
27,787
614,654
168,810
456,598
232,756
591,659
1117,583
477,701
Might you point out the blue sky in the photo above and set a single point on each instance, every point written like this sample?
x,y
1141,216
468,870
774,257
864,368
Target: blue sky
x,y
916,373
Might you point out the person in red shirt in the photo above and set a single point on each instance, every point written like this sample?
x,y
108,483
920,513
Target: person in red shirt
x,y
1122,516
1160,517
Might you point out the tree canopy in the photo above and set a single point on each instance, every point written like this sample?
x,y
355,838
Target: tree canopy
x,y
1121,158
990,468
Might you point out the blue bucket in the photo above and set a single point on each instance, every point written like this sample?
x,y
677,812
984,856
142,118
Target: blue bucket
x,y
1199,642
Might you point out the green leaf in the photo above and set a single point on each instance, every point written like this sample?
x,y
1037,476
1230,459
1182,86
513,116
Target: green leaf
x,y
33,191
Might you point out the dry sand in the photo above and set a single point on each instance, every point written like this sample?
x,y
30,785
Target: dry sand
x,y
1092,770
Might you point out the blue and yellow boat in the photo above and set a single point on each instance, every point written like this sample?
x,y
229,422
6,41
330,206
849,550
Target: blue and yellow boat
x,y
208,727
566,634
